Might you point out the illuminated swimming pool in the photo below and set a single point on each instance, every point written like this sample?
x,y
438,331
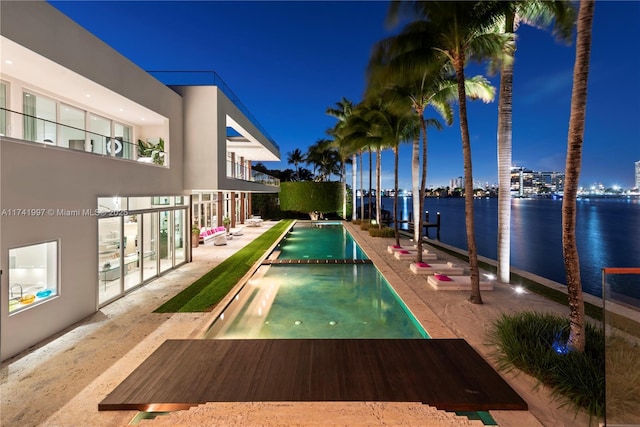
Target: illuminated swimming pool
x,y
344,300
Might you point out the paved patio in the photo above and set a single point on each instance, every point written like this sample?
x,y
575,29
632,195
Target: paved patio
x,y
61,381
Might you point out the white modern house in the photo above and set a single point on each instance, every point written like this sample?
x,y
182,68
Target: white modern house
x,y
103,169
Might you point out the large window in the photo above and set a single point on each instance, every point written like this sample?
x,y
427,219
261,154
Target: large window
x,y
33,275
39,118
72,135
3,104
123,137
100,128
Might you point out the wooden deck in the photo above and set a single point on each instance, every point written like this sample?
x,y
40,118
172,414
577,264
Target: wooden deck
x,y
446,373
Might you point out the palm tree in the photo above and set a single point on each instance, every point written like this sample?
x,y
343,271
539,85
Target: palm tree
x,y
408,65
576,340
294,158
342,112
458,31
392,122
536,13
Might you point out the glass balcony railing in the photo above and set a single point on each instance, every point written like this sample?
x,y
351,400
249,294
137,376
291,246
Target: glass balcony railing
x,y
621,324
239,171
48,132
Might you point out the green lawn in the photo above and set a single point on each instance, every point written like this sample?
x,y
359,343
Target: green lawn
x,y
207,291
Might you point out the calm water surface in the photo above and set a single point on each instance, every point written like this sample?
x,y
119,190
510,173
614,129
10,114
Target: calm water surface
x,y
608,235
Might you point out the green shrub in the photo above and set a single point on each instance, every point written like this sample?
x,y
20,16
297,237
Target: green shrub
x,y
374,231
210,289
533,343
365,226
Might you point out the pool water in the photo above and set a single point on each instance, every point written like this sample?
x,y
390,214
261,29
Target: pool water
x,y
317,300
319,242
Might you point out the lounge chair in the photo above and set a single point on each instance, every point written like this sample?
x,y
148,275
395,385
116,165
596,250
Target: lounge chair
x,y
220,236
449,268
395,248
237,231
408,254
254,221
443,282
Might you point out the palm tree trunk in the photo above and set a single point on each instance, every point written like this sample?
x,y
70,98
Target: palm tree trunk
x,y
378,186
354,177
343,171
395,198
468,181
370,184
421,192
577,339
505,118
415,187
361,190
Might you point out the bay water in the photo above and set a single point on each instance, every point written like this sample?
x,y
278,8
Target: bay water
x,y
607,234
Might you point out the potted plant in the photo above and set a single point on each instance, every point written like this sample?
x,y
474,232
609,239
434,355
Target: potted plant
x,y
195,235
226,221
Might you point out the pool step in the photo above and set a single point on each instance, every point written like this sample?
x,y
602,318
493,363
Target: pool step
x,y
315,261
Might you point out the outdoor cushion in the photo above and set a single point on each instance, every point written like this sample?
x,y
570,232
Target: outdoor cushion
x,y
422,264
442,277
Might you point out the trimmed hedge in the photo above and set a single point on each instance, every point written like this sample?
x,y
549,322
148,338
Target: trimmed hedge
x,y
311,196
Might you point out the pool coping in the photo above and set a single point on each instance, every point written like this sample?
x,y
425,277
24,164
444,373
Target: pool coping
x,y
429,321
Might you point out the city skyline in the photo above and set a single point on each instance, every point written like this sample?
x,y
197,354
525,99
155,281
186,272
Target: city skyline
x,y
289,61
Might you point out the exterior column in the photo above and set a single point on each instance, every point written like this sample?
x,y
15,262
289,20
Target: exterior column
x,y
232,215
220,208
243,213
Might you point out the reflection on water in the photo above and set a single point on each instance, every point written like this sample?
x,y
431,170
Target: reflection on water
x,y
316,301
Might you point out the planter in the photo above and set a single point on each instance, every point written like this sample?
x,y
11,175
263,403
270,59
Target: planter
x,y
195,239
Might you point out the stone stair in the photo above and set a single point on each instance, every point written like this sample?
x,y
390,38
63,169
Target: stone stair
x,y
352,414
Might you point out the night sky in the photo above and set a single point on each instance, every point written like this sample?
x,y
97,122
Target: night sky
x,y
290,60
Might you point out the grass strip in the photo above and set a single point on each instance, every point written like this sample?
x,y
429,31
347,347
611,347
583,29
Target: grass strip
x,y
207,291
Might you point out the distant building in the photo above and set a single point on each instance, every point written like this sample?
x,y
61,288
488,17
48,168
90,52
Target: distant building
x,y
456,183
638,174
525,182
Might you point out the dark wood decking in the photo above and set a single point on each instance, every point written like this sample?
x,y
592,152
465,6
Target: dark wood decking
x,y
446,373
316,261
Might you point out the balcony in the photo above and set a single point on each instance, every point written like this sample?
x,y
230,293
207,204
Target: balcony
x,y
238,171
50,133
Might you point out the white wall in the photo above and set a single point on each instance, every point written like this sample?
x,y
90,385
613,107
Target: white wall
x,y
45,177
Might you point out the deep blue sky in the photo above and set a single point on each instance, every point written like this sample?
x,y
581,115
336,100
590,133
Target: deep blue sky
x,y
290,60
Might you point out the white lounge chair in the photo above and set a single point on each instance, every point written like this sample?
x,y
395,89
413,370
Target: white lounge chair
x,y
406,254
443,282
237,231
424,268
254,221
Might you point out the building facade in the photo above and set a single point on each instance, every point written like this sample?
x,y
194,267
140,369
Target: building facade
x,y
526,182
103,169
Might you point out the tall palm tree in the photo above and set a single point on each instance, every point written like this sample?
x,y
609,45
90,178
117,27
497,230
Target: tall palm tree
x,y
535,13
459,31
322,155
410,68
294,158
342,112
392,123
361,132
576,340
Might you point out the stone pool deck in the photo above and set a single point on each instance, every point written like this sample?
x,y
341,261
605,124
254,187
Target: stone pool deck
x,y
61,381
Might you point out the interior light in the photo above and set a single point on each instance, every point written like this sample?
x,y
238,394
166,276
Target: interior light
x,y
8,61
88,95
519,290
490,276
